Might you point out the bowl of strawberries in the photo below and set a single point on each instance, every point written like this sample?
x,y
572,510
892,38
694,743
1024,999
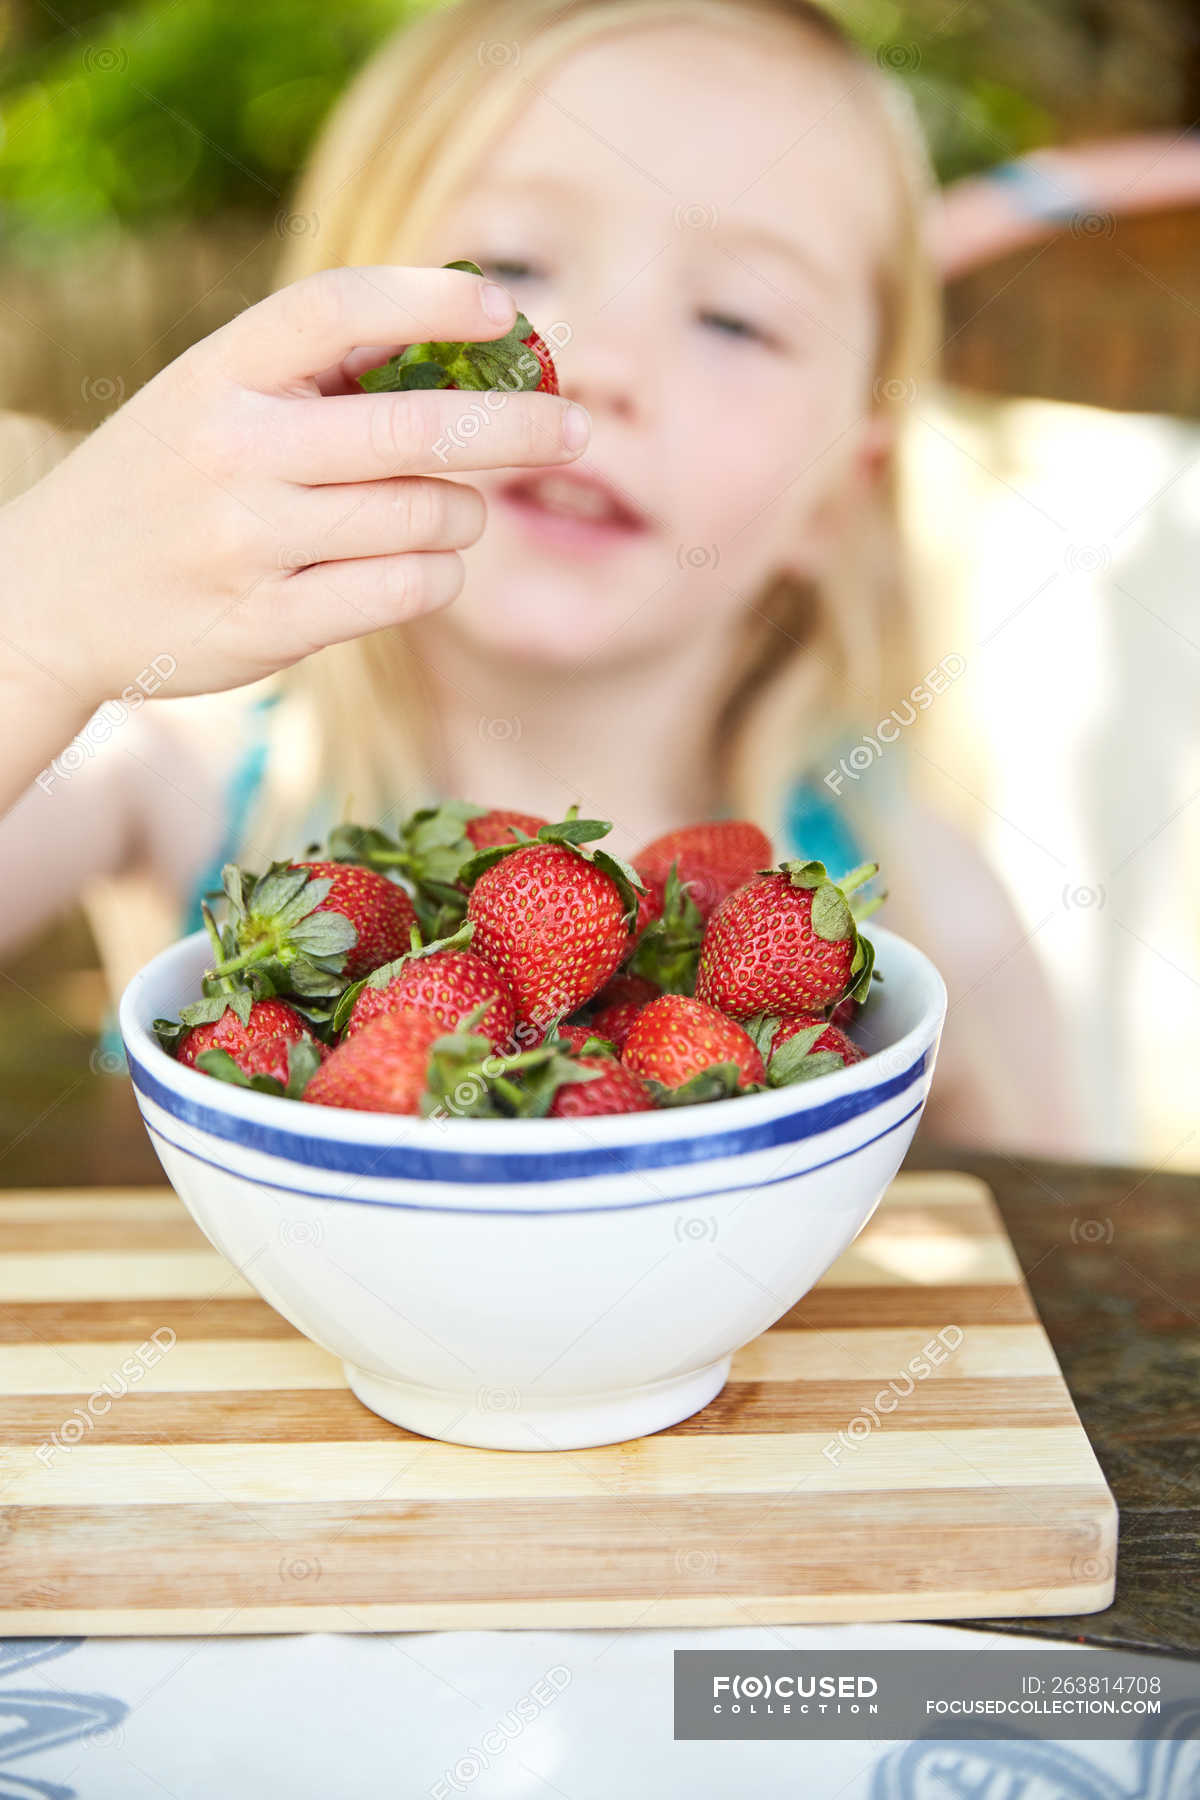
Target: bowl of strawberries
x,y
533,1138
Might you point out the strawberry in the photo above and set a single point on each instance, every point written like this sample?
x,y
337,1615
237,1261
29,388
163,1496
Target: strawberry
x,y
576,1037
784,943
830,1038
380,911
269,1028
430,849
405,1062
382,1068
710,860
447,984
687,874
519,362
803,1047
612,1089
688,1051
551,918
619,1004
262,1044
499,827
306,928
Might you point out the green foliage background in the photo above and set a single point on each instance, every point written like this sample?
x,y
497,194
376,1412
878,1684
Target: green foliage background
x,y
118,117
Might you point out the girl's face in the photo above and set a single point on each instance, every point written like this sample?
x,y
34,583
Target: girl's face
x,y
703,210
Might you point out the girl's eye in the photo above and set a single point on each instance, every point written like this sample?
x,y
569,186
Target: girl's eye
x,y
508,268
733,325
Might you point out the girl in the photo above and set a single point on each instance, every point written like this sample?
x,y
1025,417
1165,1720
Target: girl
x,y
716,210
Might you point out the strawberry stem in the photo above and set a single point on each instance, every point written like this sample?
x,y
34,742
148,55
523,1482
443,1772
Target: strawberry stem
x,y
857,878
258,952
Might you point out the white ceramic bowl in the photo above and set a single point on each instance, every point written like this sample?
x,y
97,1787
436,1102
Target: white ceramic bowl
x,y
538,1284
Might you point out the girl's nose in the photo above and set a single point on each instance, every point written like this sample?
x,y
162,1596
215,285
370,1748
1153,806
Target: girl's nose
x,y
599,366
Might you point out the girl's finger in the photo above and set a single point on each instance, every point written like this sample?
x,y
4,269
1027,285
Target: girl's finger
x,y
365,437
310,326
382,518
333,602
342,378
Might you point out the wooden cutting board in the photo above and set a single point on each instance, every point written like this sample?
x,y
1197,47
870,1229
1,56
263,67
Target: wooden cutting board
x,y
238,1486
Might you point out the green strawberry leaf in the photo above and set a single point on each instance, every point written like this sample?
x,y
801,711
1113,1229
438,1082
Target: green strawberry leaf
x,y
831,915
221,1064
539,1085
821,1062
629,883
574,831
804,874
668,951
789,1062
861,970
344,1006
323,934
483,860
304,1059
718,1082
169,1032
761,1031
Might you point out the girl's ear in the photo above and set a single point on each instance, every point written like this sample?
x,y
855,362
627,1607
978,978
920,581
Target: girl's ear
x,y
859,477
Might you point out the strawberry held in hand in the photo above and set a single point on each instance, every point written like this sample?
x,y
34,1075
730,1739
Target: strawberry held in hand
x,y
689,1052
519,362
786,942
552,918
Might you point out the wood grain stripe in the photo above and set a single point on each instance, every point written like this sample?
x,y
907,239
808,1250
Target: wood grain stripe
x,y
424,1469
656,1547
131,1321
236,1366
966,1303
204,1319
877,1261
120,1275
332,1415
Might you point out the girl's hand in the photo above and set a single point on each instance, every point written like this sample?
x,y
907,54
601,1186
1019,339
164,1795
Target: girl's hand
x,y
243,509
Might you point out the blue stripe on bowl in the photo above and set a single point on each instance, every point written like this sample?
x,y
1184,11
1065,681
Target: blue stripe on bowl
x,y
409,1162
527,1212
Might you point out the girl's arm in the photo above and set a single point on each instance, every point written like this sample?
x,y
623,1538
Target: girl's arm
x,y
983,217
1002,1080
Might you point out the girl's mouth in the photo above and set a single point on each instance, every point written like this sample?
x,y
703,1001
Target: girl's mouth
x,y
571,509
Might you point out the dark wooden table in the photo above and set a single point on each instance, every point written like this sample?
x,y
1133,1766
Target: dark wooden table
x,y
1112,1257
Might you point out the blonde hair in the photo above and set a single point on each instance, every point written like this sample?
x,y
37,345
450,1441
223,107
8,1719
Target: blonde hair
x,y
412,127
